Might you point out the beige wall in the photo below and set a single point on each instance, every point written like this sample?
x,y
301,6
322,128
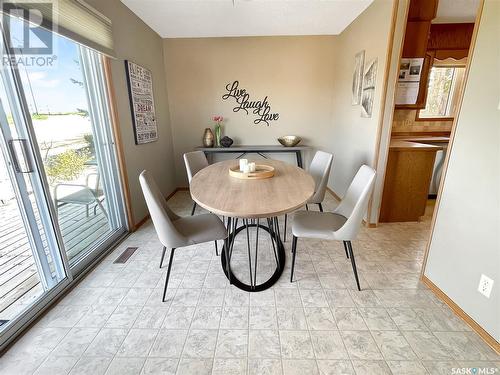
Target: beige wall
x,y
135,41
466,239
308,82
354,138
296,73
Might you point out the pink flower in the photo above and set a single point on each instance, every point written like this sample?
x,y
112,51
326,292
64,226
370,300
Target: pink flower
x,y
217,118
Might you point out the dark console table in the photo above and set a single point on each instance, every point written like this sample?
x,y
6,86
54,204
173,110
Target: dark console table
x,y
261,150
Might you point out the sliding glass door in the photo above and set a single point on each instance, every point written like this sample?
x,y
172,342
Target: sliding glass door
x,y
61,203
31,262
68,108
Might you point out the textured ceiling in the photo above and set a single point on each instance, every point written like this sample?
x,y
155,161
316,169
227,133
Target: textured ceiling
x,y
226,18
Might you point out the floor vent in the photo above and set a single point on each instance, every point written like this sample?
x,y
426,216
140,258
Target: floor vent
x,y
125,255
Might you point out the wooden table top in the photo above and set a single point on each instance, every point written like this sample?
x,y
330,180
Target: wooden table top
x,y
215,190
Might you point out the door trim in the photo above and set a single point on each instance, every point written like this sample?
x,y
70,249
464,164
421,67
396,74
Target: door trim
x,y
115,123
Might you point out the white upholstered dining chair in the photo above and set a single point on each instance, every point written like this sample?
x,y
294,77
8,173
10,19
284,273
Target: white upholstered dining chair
x,y
343,223
319,168
174,231
195,161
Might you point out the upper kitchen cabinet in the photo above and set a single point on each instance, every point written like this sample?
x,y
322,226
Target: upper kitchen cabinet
x,y
418,26
422,10
430,36
450,40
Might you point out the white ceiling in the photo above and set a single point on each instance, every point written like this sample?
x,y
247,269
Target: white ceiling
x,y
221,18
456,11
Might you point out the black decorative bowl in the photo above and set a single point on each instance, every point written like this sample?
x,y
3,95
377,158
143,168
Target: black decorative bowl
x,y
226,141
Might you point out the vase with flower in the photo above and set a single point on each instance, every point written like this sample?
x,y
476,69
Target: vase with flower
x,y
218,130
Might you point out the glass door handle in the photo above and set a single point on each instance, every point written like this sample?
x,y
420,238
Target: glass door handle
x,y
16,145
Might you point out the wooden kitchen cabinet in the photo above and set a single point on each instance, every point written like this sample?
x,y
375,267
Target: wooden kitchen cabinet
x,y
416,38
407,180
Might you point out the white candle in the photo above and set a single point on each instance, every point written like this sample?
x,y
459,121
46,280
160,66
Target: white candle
x,y
246,168
243,164
252,167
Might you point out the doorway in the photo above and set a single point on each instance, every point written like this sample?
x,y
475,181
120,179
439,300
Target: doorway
x,y
430,83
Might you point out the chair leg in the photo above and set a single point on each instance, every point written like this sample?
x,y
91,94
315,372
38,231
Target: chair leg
x,y
87,210
320,207
353,262
194,209
284,230
307,208
163,255
294,252
98,202
346,251
216,248
168,273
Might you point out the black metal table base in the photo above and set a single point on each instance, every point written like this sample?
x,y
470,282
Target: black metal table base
x,y
278,248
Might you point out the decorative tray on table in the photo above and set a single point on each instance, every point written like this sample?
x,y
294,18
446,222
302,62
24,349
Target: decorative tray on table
x,y
261,171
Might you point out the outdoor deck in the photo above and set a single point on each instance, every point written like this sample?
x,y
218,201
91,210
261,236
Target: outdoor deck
x,y
19,281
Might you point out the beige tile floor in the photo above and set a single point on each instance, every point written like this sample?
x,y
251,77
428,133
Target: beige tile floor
x,y
114,322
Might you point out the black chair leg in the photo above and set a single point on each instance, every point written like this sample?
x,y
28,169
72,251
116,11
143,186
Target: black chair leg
x,y
320,207
168,273
194,209
162,256
353,262
216,249
294,252
346,251
284,230
307,208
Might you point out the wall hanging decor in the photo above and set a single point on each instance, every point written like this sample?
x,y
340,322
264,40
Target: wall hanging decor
x,y
357,77
368,95
142,105
260,108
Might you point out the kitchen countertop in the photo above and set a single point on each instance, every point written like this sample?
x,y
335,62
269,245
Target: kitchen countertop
x,y
404,145
422,138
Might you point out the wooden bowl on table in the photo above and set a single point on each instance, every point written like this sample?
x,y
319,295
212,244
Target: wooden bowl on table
x,y
261,171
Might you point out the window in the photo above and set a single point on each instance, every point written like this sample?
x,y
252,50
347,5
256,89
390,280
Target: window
x,y
443,90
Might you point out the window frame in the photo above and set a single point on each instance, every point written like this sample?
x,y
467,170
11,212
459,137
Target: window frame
x,y
448,63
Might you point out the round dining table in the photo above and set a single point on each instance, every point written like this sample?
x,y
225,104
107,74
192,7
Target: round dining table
x,y
252,205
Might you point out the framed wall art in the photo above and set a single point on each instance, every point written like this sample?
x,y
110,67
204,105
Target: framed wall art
x,y
357,77
142,105
368,95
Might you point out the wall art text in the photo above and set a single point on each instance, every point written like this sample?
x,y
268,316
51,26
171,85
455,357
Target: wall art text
x,y
260,108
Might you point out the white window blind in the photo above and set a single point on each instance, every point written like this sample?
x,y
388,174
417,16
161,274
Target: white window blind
x,y
77,20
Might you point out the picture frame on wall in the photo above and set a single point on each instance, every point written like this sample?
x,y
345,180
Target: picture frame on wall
x,y
142,105
357,77
368,95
